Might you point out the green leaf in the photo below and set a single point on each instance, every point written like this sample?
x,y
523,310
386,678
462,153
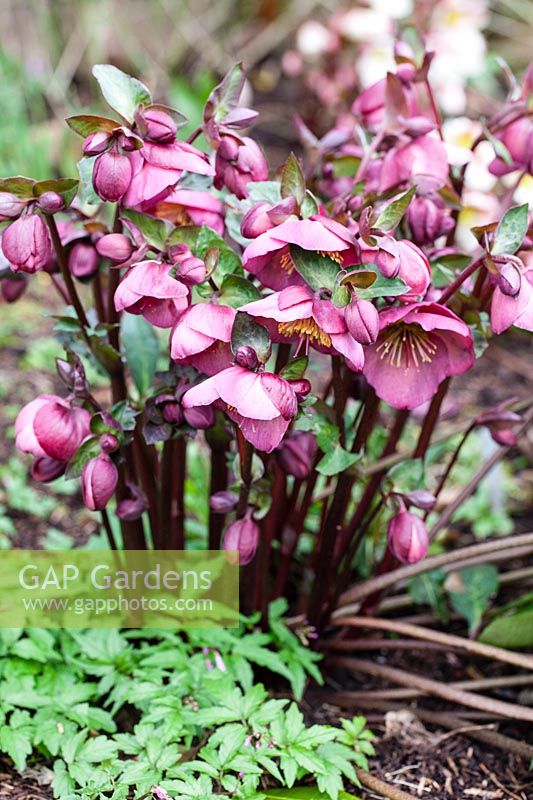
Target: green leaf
x,y
295,369
66,187
292,180
85,124
341,296
154,230
236,291
427,589
304,793
17,744
392,214
309,205
228,262
381,287
470,590
248,332
319,271
513,632
123,93
336,460
141,349
225,97
98,749
89,449
511,231
19,186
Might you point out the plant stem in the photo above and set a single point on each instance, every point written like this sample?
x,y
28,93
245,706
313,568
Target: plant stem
x,y
339,396
177,496
431,419
67,277
246,452
458,282
108,529
451,464
60,289
219,482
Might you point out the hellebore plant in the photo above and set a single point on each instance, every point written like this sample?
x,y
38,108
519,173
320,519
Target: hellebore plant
x,y
306,319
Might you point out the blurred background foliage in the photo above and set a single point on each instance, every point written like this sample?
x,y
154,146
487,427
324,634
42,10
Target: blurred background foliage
x,y
180,47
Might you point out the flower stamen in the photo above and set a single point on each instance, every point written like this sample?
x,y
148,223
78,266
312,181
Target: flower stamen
x,y
407,345
305,327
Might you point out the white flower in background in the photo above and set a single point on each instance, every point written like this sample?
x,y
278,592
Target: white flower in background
x,y
395,9
362,25
313,39
524,191
479,208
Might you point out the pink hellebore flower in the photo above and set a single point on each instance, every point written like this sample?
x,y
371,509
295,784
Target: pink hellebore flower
x,y
112,173
423,161
99,479
418,347
239,160
513,306
407,537
50,426
297,313
401,259
517,136
243,536
149,290
268,257
370,105
156,169
261,403
26,244
201,337
188,206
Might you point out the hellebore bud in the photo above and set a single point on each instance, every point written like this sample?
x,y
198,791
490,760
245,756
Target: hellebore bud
x,y
407,537
296,454
245,356
83,260
13,288
500,424
301,388
191,270
256,221
96,143
238,162
223,502
108,443
509,279
362,321
26,244
427,220
173,413
50,202
112,175
60,428
421,498
156,125
242,535
11,205
46,469
134,505
99,479
115,246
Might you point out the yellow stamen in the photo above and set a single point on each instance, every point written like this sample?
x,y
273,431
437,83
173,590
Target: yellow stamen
x,y
173,212
305,327
407,345
335,256
286,263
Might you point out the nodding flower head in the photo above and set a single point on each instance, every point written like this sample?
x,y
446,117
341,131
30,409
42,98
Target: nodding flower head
x,y
407,537
243,536
26,244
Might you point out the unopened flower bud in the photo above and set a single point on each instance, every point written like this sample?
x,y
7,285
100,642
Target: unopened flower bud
x,y
296,454
506,438
11,205
51,202
199,417
83,260
115,246
223,502
13,287
191,270
112,175
96,143
256,221
108,443
238,162
362,321
245,356
99,479
421,498
428,220
509,279
46,469
173,413
301,388
132,506
283,210
243,536
156,125
26,244
407,537
500,424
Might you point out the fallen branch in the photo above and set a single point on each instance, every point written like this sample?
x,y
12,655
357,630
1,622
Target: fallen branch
x,y
437,689
417,632
385,789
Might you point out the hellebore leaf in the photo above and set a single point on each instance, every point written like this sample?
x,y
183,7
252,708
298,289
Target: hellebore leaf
x,y
511,231
89,449
470,590
85,124
393,212
319,271
340,296
292,180
123,93
225,97
247,332
236,291
511,631
228,260
141,349
309,205
19,186
336,460
295,369
66,187
379,287
154,230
